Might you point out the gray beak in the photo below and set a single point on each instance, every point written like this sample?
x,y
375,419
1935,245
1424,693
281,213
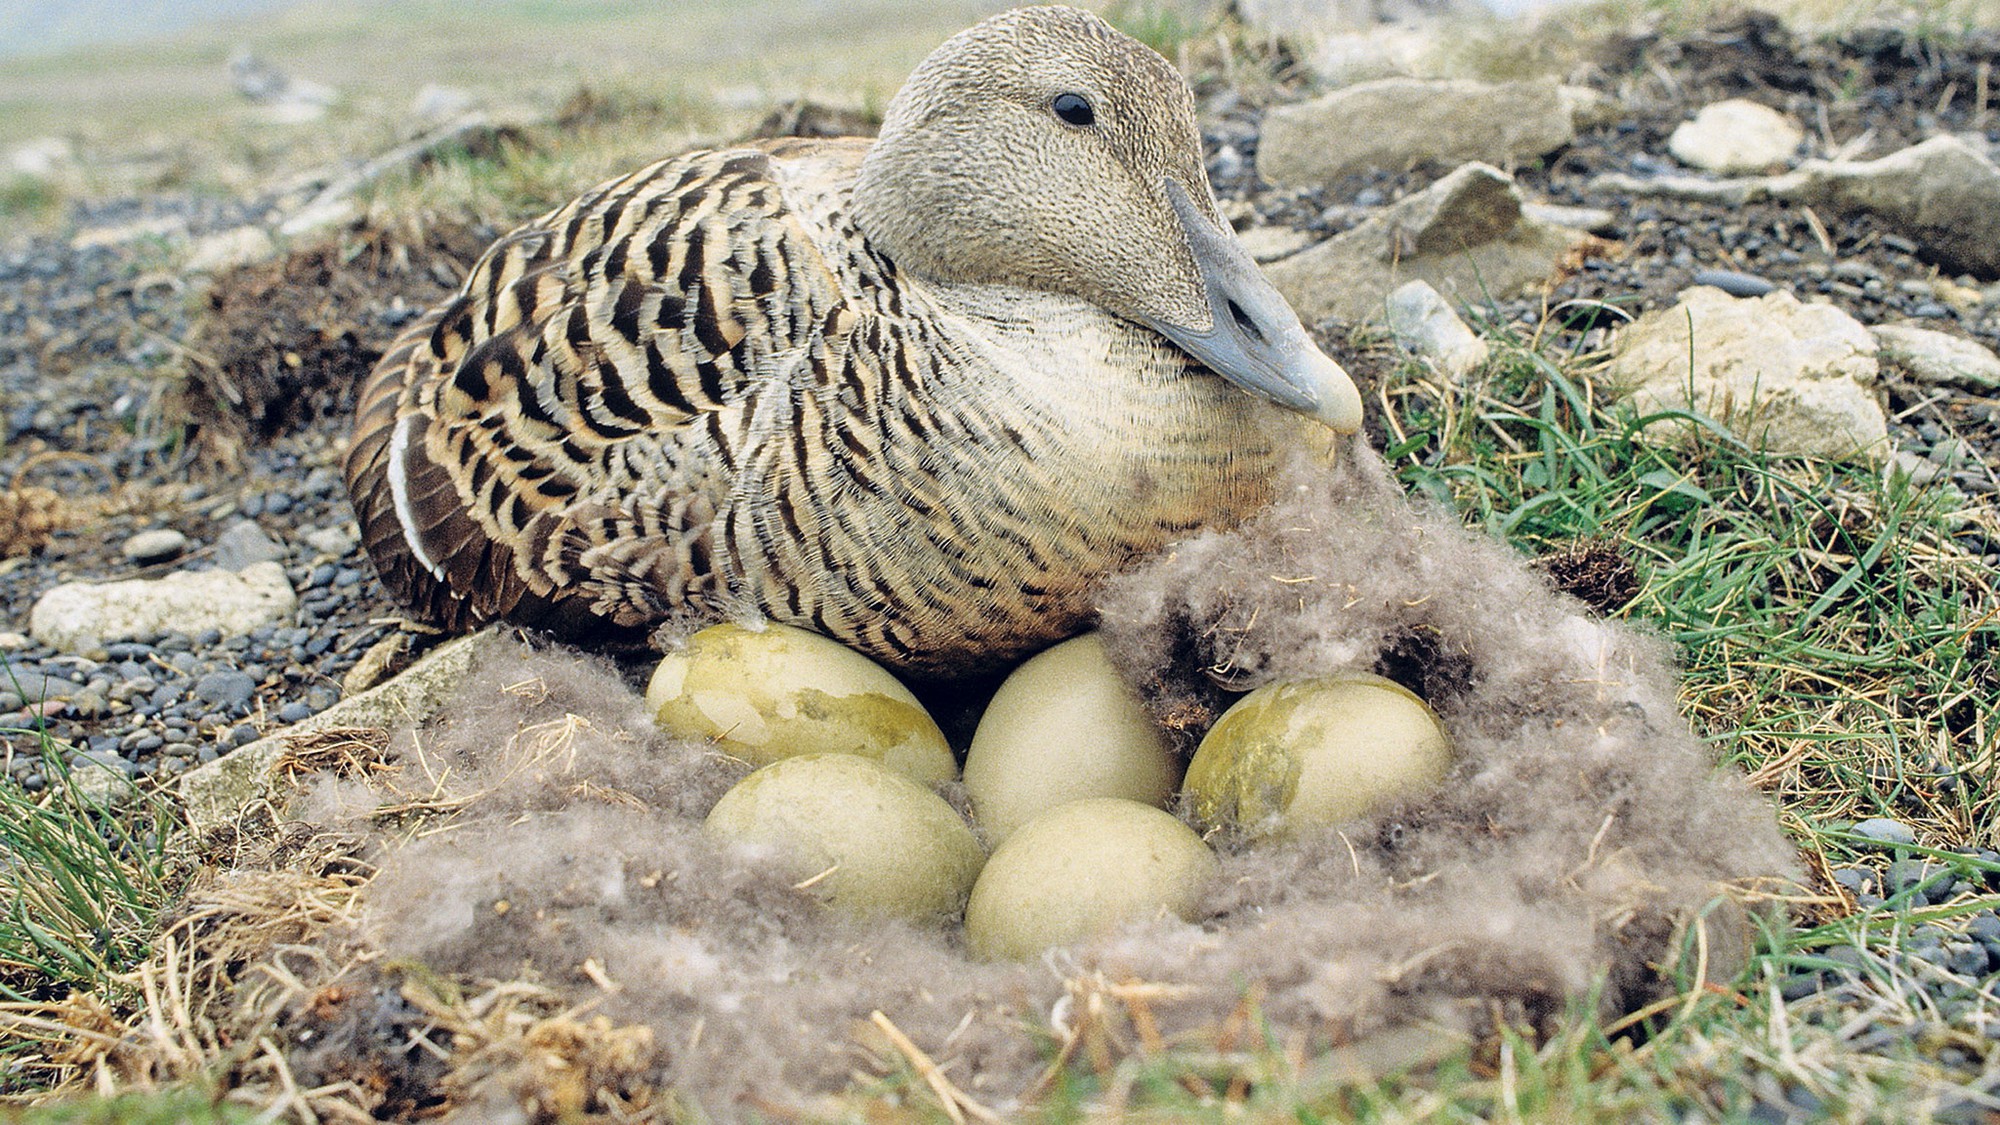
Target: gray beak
x,y
1254,339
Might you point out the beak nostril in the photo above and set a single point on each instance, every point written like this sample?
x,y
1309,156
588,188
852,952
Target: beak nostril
x,y
1245,324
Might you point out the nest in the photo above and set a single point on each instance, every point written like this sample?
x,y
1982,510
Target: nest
x,y
512,907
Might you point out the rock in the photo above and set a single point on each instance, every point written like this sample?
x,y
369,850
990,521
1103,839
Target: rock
x,y
1886,831
1268,244
226,689
1926,355
331,541
1425,325
1790,378
1589,108
216,793
1733,283
161,544
286,100
40,158
1596,220
1383,50
36,685
1409,121
102,779
242,544
1920,469
1735,137
1465,235
1944,193
435,103
225,249
80,616
163,228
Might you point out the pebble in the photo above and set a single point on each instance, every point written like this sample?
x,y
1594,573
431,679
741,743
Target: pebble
x,y
227,689
243,543
1886,831
1734,283
161,544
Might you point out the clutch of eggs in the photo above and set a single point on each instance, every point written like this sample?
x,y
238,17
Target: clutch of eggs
x,y
1066,776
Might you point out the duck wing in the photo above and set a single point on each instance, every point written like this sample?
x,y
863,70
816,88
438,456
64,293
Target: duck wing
x,y
555,445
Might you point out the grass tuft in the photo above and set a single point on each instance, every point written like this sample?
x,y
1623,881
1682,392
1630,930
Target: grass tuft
x,y
82,884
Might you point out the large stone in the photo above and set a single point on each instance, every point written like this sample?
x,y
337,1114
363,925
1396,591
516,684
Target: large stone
x,y
80,616
1735,137
1423,324
1926,355
1790,378
1395,123
216,793
1465,235
1944,193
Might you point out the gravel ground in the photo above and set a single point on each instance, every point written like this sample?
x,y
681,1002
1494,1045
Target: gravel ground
x,y
92,333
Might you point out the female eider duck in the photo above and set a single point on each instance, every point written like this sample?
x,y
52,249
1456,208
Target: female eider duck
x,y
919,395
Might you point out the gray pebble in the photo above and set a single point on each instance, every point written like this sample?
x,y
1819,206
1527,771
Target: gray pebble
x,y
1734,283
226,689
294,712
243,543
1967,958
1886,831
161,544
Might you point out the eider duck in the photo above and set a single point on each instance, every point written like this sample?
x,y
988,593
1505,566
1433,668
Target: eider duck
x,y
919,395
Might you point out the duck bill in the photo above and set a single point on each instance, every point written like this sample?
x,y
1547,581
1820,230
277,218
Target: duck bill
x,y
1253,338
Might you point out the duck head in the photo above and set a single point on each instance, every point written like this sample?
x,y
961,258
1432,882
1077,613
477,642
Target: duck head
x,y
1045,149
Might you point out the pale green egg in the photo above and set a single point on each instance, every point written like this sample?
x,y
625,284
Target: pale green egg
x,y
1081,869
773,692
1315,752
862,836
1063,727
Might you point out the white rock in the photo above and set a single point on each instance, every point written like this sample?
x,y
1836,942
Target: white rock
x,y
1596,220
332,541
237,246
40,158
1790,378
1465,235
155,545
1735,137
165,228
1929,356
216,793
1394,123
80,616
101,783
1920,469
1385,50
1424,324
1944,192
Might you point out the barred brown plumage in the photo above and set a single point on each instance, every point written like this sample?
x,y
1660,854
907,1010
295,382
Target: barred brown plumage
x,y
919,395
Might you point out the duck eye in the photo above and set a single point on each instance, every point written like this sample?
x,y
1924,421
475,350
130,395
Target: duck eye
x,y
1074,108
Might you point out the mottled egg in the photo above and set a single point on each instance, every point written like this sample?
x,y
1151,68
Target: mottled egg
x,y
1315,752
1063,727
1080,869
773,692
862,836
